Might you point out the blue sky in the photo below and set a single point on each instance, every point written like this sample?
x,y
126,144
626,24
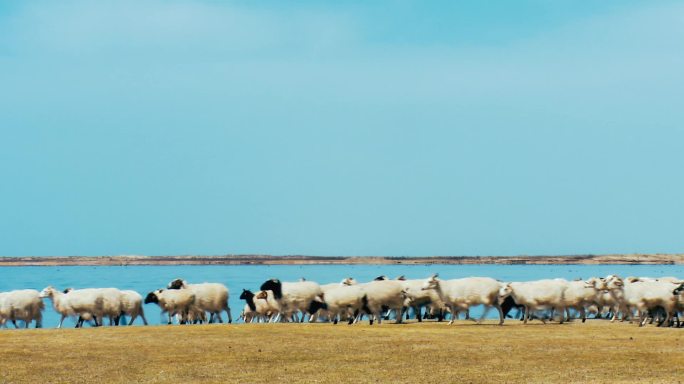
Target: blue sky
x,y
347,128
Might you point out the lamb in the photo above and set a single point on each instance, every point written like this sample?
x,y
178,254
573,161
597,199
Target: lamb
x,y
210,297
131,305
262,309
173,302
25,305
461,294
534,295
303,296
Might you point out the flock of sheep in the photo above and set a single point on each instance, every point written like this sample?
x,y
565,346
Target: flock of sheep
x,y
654,299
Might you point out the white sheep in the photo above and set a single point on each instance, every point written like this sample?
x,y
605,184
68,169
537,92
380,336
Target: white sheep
x,y
643,296
419,297
344,302
302,296
381,295
108,303
579,295
173,302
132,305
535,295
461,294
24,305
85,303
209,297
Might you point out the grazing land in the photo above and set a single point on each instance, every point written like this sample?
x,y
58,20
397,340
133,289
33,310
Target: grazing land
x,y
429,352
9,261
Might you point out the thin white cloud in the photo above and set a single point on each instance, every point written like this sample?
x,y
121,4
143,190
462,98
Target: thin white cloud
x,y
160,28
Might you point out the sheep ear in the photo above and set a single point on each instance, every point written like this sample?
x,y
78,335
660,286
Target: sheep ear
x,y
434,276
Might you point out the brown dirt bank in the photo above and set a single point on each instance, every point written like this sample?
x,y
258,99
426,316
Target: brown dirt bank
x,y
299,260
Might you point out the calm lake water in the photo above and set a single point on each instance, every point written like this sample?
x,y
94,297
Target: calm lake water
x,y
147,278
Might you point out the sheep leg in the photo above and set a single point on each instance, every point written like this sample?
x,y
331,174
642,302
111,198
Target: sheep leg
x,y
400,315
454,313
615,315
642,317
15,324
484,314
526,315
61,321
667,318
218,316
230,317
501,315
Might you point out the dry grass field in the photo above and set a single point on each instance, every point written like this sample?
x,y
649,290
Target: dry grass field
x,y
322,353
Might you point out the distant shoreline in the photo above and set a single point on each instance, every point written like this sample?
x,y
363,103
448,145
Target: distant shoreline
x,y
340,260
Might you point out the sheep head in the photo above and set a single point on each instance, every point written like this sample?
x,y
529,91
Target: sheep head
x,y
48,291
431,283
315,305
246,293
152,297
594,282
679,289
177,284
505,291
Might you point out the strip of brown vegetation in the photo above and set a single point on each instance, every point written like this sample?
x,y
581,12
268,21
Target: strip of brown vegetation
x,y
303,260
465,352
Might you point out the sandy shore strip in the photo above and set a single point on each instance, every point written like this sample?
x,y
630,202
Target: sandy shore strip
x,y
327,260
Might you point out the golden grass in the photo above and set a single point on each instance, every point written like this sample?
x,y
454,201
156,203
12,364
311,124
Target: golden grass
x,y
323,353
